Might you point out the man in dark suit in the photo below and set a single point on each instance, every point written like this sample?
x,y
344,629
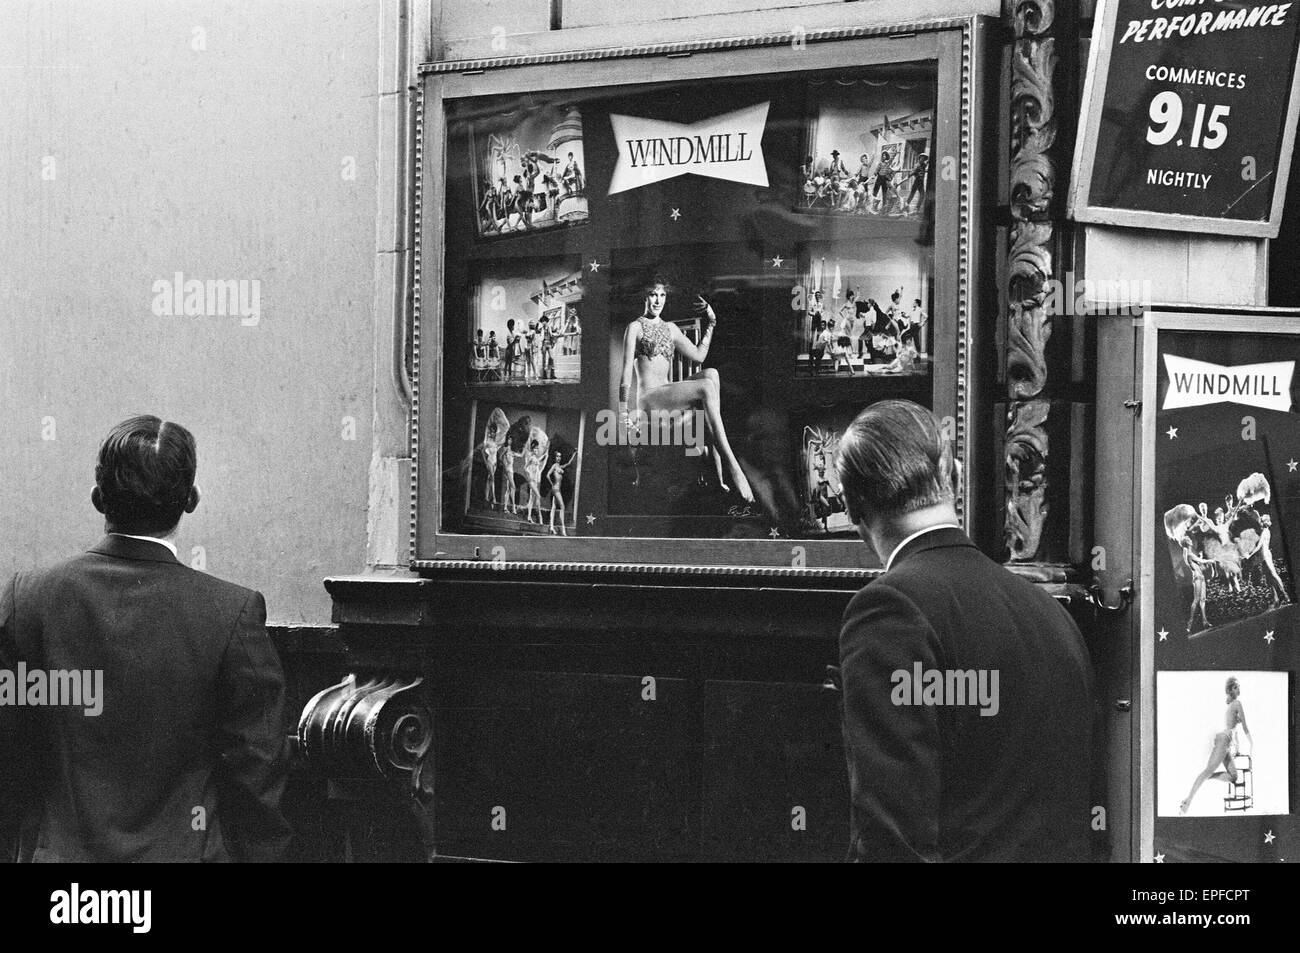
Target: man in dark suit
x,y
186,761
967,690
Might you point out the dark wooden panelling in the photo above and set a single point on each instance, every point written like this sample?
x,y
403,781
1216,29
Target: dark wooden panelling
x,y
774,757
583,766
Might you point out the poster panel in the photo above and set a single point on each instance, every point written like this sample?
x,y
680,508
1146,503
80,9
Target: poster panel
x,y
1221,625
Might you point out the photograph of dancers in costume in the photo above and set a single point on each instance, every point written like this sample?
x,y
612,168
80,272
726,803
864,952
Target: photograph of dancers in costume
x,y
1202,739
524,324
523,470
827,513
529,171
1228,560
885,130
816,431
863,316
663,372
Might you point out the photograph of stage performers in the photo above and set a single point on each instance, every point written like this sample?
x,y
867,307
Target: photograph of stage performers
x,y
865,315
523,469
867,150
1228,560
524,325
529,171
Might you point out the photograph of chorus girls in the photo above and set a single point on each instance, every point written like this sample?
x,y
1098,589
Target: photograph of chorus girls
x,y
1222,744
1228,552
529,170
525,322
865,310
685,365
523,470
868,148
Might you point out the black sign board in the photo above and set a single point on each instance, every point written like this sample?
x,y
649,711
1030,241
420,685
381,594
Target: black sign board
x,y
1189,115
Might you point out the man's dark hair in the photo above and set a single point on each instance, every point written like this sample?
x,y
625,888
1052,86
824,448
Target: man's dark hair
x,y
145,474
893,459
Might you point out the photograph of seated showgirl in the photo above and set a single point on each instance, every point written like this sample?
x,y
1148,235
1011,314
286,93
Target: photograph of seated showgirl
x,y
522,473
862,316
1229,561
1222,743
1223,757
664,370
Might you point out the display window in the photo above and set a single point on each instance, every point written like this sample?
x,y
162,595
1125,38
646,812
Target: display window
x,y
651,308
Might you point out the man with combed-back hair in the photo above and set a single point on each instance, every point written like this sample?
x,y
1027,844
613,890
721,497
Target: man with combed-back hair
x,y
938,775
187,759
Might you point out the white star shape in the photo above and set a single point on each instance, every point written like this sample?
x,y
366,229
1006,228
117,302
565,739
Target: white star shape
x,y
595,265
1291,465
591,518
1269,838
675,214
1268,636
1164,634
774,532
1172,431
1160,858
776,262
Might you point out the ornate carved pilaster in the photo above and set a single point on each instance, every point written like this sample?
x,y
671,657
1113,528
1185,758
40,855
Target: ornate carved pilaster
x,y
1033,180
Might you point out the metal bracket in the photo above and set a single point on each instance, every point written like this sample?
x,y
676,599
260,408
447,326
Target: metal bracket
x,y
1095,596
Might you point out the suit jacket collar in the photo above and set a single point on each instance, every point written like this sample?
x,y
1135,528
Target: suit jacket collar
x,y
123,547
944,538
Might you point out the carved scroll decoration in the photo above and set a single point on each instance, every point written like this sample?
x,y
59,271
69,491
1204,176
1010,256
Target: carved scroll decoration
x,y
1032,188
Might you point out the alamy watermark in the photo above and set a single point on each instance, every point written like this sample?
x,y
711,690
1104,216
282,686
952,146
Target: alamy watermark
x,y
58,687
653,428
179,296
1085,296
949,687
77,906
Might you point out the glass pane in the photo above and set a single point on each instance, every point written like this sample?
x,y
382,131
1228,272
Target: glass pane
x,y
665,302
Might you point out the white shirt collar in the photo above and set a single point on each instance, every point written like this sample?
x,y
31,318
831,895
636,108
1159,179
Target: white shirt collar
x,y
929,529
151,539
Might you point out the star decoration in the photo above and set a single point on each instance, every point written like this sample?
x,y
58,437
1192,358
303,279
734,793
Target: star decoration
x,y
675,214
1291,465
774,532
1164,634
777,261
1269,838
1268,636
595,265
1160,858
1172,431
591,518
